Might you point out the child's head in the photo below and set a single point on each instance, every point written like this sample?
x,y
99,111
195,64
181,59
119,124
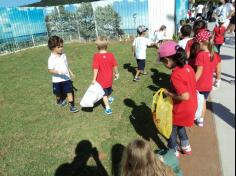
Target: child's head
x,y
139,160
205,39
182,22
141,30
198,26
172,55
162,28
186,30
102,43
221,20
55,44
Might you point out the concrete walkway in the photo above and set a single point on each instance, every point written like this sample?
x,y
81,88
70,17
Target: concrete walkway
x,y
223,101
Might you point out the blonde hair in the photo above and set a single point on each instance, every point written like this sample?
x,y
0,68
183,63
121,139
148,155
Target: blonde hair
x,y
139,160
210,45
101,43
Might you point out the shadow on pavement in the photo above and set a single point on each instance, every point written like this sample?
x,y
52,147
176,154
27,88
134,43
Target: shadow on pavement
x,y
223,112
226,57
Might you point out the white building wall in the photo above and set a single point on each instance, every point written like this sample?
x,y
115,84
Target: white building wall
x,y
161,12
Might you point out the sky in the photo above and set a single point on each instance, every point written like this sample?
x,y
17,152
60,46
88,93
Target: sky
x,y
15,3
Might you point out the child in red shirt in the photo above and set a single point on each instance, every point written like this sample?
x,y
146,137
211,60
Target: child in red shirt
x,y
104,69
183,93
207,62
219,33
198,26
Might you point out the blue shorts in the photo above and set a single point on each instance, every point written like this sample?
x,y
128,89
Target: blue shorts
x,y
205,94
108,91
62,88
141,64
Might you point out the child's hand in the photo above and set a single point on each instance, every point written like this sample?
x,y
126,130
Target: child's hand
x,y
93,82
61,72
117,75
72,75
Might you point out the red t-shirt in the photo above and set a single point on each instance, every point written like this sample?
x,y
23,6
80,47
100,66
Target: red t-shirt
x,y
104,62
183,80
219,34
205,82
188,45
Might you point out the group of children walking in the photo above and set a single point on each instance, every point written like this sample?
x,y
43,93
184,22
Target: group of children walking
x,y
193,62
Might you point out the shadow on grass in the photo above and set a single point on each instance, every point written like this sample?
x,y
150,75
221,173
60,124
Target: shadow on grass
x,y
78,167
116,157
142,121
160,80
130,68
222,112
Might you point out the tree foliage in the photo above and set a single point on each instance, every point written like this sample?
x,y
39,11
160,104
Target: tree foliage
x,y
108,22
86,21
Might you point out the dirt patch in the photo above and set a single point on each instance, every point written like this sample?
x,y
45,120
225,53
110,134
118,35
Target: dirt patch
x,y
205,160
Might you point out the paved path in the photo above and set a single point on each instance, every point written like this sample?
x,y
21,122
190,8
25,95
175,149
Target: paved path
x,y
223,101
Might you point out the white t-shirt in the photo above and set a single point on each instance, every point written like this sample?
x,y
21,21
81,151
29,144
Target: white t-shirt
x,y
200,8
159,35
59,63
140,45
226,9
183,42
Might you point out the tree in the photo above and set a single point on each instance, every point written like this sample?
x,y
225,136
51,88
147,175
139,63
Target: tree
x,y
61,22
108,22
86,21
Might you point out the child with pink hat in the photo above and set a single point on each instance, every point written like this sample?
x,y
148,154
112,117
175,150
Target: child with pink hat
x,y
183,93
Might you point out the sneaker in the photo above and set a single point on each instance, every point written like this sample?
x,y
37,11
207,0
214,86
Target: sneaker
x,y
63,103
186,150
177,154
73,109
108,111
144,73
136,79
110,100
199,122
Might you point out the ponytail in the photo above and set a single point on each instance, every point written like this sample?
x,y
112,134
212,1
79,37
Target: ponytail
x,y
211,48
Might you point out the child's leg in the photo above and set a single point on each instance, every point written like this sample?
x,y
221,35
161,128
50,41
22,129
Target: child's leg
x,y
68,89
183,137
105,101
172,141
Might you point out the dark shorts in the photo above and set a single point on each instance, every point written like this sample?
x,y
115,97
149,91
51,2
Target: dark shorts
x,y
108,91
232,20
62,88
205,94
141,64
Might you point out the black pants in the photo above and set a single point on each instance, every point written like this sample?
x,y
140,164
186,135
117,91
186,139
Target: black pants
x,y
218,46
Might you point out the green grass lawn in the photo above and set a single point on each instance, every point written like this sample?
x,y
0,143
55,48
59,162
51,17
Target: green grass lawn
x,y
37,136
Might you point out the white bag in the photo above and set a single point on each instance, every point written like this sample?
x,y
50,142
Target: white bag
x,y
93,94
200,103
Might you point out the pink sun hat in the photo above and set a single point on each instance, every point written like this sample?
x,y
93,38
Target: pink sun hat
x,y
167,48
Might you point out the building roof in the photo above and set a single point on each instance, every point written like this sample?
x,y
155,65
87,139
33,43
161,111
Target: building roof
x,y
46,3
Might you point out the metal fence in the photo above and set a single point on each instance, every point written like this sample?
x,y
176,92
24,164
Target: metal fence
x,y
29,27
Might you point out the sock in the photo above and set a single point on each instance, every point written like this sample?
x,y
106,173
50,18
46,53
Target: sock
x,y
72,103
108,107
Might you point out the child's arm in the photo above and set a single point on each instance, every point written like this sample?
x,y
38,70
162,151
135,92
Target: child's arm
x,y
116,72
95,73
199,72
51,71
71,73
133,51
183,97
218,71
